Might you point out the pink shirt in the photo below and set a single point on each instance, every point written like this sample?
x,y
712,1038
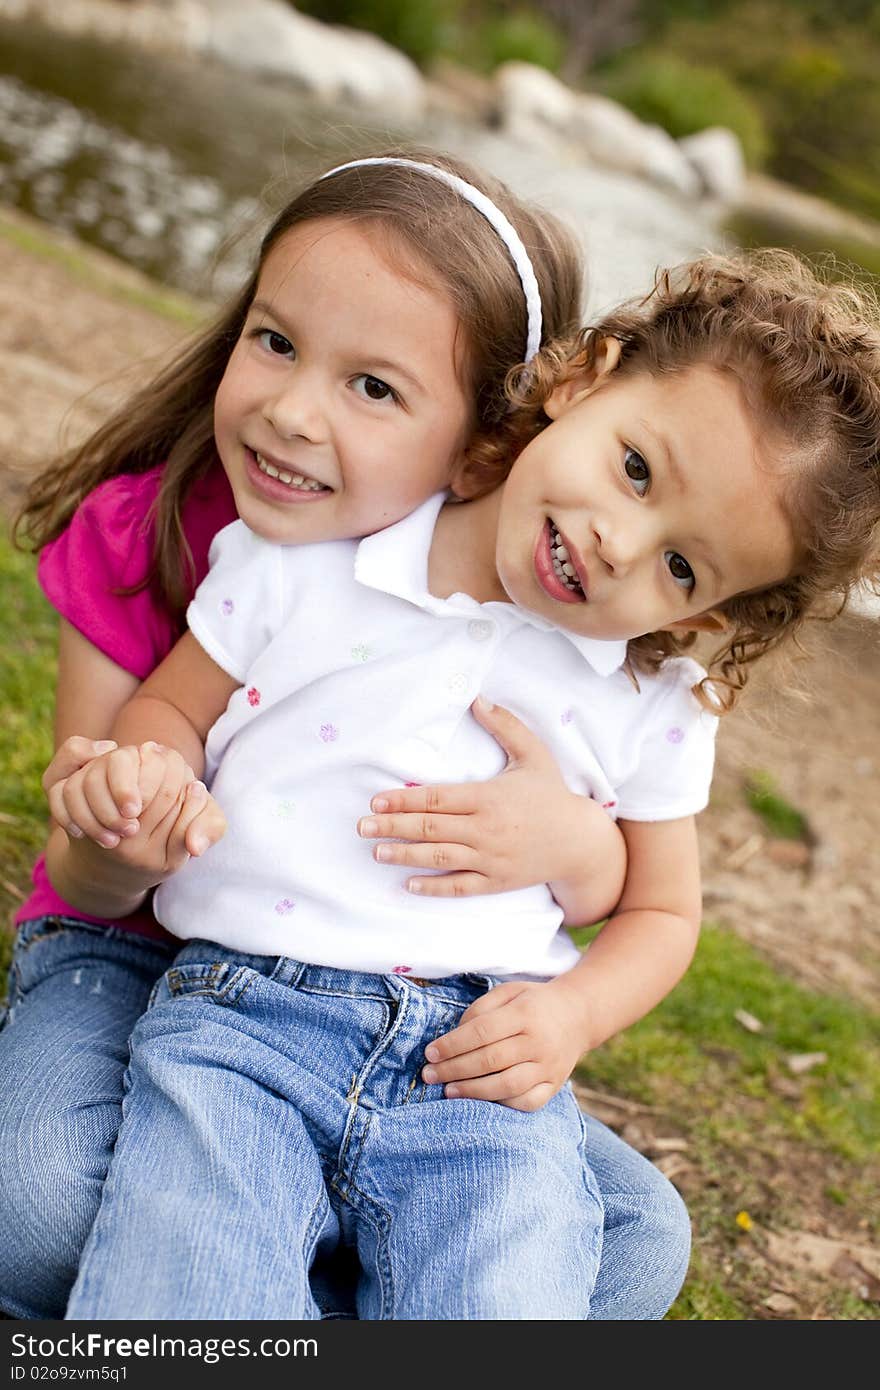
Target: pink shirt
x,y
109,546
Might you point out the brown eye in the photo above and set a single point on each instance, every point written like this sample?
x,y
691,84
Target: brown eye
x,y
276,343
372,388
637,471
680,569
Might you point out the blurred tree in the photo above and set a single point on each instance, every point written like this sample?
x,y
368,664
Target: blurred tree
x,y
592,29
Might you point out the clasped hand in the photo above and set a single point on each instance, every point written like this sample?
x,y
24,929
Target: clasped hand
x,y
143,802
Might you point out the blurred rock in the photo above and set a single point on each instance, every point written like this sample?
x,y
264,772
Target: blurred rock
x,y
329,61
533,106
717,157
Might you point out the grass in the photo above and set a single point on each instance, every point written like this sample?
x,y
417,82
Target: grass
x,y
778,816
89,268
28,630
749,1124
762,1141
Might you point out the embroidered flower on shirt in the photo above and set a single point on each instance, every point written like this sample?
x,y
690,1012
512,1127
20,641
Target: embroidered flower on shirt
x,y
566,716
361,652
227,607
329,733
254,697
402,970
284,905
608,805
412,784
675,734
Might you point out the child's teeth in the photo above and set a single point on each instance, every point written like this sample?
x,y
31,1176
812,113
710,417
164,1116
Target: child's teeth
x,y
291,479
564,570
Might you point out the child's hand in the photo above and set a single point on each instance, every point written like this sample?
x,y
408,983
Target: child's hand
x,y
142,801
518,1045
489,837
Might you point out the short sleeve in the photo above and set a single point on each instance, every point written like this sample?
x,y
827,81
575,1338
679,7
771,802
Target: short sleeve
x,y
107,548
238,607
677,751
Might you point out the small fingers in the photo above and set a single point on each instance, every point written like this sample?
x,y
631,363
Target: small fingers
x,y
208,825
86,800
483,1031
444,857
73,754
451,885
164,775
502,1086
482,1061
182,830
422,827
458,799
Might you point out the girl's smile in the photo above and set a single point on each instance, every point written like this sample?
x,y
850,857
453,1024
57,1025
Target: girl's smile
x,y
645,503
342,406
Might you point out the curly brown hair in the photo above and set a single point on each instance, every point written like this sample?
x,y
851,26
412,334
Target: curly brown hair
x,y
432,235
805,351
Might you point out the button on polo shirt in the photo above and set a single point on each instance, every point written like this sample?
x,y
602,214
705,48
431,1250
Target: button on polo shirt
x,y
354,680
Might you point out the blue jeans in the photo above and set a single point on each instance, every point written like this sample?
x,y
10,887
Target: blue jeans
x,y
75,994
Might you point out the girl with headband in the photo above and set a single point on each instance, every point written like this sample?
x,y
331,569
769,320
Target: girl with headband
x,y
360,370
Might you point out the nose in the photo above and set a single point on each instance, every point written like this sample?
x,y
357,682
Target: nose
x,y
620,540
294,409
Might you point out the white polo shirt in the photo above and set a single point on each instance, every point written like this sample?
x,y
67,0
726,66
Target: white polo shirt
x,y
355,679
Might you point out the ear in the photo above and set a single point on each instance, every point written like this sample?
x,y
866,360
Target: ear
x,y
465,480
607,357
713,620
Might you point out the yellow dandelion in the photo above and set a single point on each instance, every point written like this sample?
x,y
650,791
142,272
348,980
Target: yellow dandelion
x,y
744,1221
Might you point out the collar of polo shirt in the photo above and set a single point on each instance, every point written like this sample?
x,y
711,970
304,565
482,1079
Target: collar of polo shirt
x,y
395,561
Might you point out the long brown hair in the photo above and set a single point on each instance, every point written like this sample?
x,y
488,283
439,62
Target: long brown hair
x,y
806,354
435,233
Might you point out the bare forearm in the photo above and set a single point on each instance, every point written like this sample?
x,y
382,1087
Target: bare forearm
x,y
92,879
147,717
634,962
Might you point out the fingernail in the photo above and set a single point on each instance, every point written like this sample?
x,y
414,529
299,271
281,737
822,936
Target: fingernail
x,y
104,745
414,885
199,845
451,1092
429,1075
156,747
197,790
383,853
131,808
108,840
75,831
483,705
379,803
432,1053
131,829
367,826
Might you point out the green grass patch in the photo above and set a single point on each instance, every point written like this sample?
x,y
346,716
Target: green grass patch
x,y
83,266
691,1055
28,648
779,817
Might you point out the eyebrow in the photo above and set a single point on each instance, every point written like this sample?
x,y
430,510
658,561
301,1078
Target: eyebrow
x,y
381,364
678,478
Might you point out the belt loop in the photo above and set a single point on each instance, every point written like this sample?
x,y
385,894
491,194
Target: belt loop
x,y
288,971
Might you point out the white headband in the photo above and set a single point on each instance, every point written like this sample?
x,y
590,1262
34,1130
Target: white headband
x,y
505,229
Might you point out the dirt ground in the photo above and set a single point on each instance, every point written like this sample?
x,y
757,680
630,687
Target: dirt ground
x,y
812,907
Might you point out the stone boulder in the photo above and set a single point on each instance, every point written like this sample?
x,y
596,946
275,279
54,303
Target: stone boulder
x,y
536,108
332,63
717,156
